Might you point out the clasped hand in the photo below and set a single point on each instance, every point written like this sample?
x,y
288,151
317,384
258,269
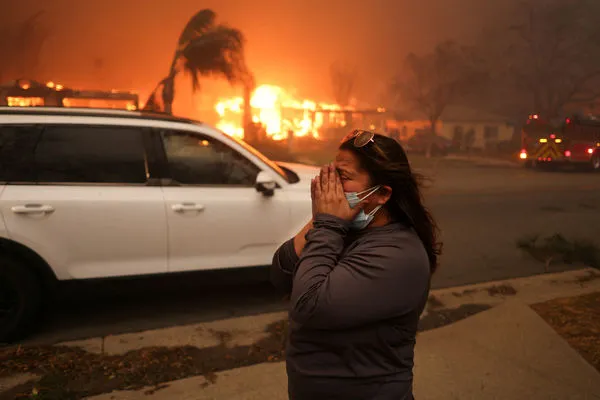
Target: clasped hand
x,y
328,196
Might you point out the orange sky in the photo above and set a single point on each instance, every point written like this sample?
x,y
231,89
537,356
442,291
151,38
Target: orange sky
x,y
290,43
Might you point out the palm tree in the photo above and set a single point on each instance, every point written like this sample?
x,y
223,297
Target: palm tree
x,y
205,48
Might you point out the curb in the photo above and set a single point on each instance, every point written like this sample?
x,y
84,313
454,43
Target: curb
x,y
248,329
445,307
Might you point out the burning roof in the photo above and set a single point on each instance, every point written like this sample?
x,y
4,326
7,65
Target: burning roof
x,y
279,113
28,93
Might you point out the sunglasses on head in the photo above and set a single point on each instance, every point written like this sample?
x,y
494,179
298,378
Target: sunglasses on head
x,y
361,139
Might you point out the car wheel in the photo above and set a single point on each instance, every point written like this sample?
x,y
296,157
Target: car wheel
x,y
596,162
20,299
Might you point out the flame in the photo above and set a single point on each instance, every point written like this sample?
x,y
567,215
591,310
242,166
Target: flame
x,y
17,101
279,113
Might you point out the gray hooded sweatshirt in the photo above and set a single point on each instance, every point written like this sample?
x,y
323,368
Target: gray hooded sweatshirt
x,y
356,298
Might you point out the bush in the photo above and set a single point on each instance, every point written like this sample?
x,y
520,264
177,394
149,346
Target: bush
x,y
556,248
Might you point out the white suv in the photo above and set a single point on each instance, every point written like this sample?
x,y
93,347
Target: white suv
x,y
90,194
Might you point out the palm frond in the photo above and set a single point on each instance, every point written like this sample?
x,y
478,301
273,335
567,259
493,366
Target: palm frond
x,y
205,49
218,52
202,22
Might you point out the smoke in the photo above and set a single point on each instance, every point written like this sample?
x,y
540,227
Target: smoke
x,y
128,45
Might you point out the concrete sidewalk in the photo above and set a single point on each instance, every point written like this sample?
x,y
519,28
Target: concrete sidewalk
x,y
249,329
507,352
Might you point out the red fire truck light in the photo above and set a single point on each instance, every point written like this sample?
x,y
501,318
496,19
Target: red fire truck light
x,y
523,155
568,153
590,151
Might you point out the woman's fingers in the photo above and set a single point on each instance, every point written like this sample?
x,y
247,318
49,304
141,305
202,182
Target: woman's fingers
x,y
317,186
339,188
324,178
332,179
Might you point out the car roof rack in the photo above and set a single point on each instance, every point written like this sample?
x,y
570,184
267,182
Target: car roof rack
x,y
94,112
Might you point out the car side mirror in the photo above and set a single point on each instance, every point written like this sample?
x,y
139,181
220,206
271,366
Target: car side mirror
x,y
265,184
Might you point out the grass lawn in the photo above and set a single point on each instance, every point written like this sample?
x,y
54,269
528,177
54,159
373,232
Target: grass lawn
x,y
577,320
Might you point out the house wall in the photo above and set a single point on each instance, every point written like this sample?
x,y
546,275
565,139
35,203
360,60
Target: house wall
x,y
407,129
483,134
496,132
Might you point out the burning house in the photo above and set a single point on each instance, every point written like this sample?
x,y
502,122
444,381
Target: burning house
x,y
281,116
27,93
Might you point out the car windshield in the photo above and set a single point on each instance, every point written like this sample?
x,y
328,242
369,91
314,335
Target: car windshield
x,y
261,156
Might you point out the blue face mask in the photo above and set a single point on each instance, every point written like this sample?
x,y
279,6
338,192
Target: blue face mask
x,y
362,220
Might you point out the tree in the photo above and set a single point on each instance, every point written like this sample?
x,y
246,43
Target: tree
x,y
431,82
205,48
343,82
550,54
20,48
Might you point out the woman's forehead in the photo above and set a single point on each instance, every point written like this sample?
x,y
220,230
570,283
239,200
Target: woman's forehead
x,y
345,157
348,162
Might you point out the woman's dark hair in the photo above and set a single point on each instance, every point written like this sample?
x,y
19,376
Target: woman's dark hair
x,y
406,203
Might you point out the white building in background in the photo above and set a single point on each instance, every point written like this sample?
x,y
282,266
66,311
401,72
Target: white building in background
x,y
467,128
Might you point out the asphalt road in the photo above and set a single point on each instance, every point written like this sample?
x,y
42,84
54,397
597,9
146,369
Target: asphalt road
x,y
482,212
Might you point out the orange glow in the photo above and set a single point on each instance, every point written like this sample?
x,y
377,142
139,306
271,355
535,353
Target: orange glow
x,y
24,101
98,103
279,113
50,84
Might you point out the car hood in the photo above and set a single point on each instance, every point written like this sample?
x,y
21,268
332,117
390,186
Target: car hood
x,y
304,171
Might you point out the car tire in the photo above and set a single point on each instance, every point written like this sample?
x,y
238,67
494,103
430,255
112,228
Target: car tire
x,y
20,299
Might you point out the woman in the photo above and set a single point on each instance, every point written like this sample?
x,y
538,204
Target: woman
x,y
359,276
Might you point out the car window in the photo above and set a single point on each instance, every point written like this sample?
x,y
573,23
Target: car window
x,y
261,157
201,160
17,144
84,154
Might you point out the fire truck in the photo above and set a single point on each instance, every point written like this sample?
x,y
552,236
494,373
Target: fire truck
x,y
573,141
28,93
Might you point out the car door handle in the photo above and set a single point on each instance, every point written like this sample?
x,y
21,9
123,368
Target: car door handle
x,y
187,207
33,209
